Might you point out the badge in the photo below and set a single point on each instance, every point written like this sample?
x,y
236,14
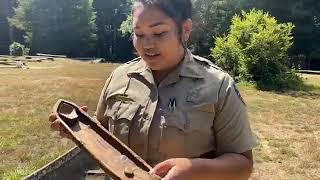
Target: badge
x,y
172,104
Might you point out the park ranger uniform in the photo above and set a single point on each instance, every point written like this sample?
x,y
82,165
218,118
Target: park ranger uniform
x,y
195,110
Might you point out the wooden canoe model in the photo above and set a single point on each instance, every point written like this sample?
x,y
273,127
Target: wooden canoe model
x,y
114,157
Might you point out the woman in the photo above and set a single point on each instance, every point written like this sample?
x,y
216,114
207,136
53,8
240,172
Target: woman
x,y
178,111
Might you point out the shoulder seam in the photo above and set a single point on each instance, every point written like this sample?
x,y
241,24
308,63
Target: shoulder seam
x,y
210,63
133,60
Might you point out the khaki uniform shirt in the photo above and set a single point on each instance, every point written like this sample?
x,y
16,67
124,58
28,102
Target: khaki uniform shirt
x,y
194,110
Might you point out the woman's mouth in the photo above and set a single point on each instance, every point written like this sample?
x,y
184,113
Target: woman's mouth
x,y
152,56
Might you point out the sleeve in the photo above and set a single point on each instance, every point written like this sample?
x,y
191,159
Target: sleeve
x,y
101,106
231,125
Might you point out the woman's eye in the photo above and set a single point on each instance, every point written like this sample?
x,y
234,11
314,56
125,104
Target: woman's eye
x,y
139,35
159,34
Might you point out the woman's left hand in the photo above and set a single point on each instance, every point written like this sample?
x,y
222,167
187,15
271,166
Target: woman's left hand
x,y
176,169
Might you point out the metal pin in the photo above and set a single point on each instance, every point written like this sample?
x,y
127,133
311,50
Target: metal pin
x,y
174,104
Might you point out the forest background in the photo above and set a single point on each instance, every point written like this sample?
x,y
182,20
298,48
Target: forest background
x,y
101,28
259,47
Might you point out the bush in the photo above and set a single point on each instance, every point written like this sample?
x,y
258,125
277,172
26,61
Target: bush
x,y
256,49
289,80
17,49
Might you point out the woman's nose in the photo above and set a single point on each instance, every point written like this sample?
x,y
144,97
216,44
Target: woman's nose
x,y
148,43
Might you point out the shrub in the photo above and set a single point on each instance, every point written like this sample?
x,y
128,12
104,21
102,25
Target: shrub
x,y
256,49
17,49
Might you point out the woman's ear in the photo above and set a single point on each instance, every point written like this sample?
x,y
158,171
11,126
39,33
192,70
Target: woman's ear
x,y
186,30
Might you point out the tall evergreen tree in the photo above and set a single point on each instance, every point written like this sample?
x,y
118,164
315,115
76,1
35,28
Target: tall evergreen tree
x,y
57,26
4,27
211,18
6,32
110,15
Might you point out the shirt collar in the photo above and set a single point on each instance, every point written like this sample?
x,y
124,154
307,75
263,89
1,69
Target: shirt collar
x,y
187,68
139,67
190,68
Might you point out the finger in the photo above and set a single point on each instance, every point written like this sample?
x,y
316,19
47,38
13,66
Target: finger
x,y
162,168
171,175
64,133
52,117
85,108
55,125
69,136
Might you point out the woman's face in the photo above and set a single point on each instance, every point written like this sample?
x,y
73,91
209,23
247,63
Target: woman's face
x,y
156,38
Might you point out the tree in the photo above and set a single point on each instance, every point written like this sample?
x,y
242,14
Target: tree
x,y
256,49
110,15
211,18
4,27
305,14
57,26
7,35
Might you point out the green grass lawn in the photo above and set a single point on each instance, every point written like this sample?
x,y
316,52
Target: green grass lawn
x,y
287,124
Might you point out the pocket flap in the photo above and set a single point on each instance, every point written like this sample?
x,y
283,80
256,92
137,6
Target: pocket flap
x,y
175,119
122,110
127,111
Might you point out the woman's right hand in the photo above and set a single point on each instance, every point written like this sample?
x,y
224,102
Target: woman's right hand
x,y
57,126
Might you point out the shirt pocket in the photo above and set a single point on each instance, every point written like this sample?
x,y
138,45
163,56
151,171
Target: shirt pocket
x,y
173,133
199,131
121,115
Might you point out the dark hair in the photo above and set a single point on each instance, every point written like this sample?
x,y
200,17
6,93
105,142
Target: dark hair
x,y
178,10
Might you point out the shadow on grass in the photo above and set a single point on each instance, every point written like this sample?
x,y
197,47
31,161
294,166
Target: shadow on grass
x,y
297,89
307,91
291,84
